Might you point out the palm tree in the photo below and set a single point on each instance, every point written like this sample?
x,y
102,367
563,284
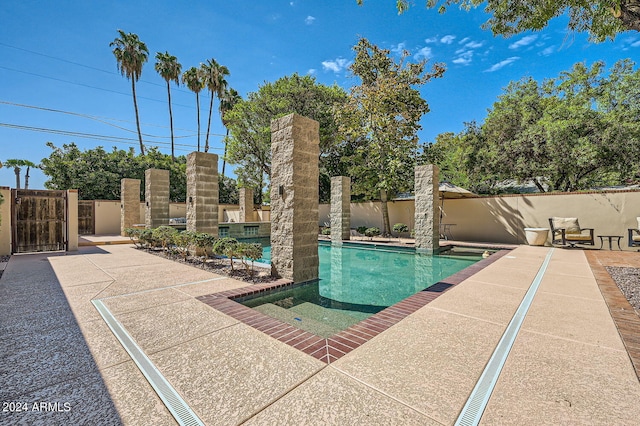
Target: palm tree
x,y
214,74
17,164
229,98
169,68
193,79
131,54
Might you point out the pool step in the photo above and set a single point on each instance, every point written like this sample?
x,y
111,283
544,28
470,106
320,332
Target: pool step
x,y
296,319
334,317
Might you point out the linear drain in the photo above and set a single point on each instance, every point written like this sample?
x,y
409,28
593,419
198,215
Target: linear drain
x,y
169,396
472,411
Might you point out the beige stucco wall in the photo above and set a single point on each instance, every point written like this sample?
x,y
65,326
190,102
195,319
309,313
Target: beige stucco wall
x,y
107,217
5,221
502,219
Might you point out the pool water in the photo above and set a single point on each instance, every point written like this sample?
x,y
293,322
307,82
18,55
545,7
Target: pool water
x,y
355,283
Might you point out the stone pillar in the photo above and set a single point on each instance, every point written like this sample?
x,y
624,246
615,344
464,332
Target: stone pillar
x,y
340,209
294,197
156,195
5,221
202,192
246,205
427,219
129,203
72,220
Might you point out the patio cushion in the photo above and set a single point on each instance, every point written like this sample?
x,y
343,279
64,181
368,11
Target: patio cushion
x,y
638,219
570,225
635,238
578,237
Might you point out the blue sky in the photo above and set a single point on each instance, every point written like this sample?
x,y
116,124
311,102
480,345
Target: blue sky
x,y
58,75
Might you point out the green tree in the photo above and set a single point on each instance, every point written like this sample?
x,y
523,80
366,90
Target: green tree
x,y
249,121
131,54
169,69
383,116
96,173
227,190
602,19
229,98
194,80
214,78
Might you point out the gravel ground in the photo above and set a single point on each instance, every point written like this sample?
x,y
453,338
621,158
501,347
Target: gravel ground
x,y
628,281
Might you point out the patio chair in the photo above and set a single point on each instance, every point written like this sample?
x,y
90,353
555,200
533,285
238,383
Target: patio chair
x,y
567,230
634,235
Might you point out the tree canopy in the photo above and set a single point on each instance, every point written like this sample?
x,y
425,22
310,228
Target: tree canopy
x,y
602,19
381,119
249,122
573,132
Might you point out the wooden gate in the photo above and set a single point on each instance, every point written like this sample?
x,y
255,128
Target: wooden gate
x,y
39,220
86,217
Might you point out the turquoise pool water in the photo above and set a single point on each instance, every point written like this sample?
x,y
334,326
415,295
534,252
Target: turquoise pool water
x,y
355,283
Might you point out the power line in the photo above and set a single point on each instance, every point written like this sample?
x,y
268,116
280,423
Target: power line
x,y
80,65
91,87
93,136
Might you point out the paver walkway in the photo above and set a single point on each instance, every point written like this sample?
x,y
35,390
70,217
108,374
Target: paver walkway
x,y
568,364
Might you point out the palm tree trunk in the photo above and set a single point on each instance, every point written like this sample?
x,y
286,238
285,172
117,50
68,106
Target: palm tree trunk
x,y
198,112
206,142
26,178
16,170
224,158
173,155
135,107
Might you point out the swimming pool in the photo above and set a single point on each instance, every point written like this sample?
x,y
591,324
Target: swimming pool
x,y
356,282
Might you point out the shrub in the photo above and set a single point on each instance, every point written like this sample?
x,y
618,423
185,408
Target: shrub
x,y
164,235
226,246
147,239
361,229
183,241
326,231
372,232
249,251
204,241
400,228
134,234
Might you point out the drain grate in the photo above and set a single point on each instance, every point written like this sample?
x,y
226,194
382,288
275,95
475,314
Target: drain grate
x,y
472,411
183,414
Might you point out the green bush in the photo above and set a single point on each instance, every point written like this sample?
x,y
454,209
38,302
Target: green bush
x,y
248,251
134,235
226,246
361,229
183,241
147,239
326,231
205,242
372,232
400,228
164,236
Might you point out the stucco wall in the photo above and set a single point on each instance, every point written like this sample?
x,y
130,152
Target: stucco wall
x,y
502,219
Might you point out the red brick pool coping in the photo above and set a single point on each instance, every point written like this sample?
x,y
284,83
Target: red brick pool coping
x,y
333,348
625,318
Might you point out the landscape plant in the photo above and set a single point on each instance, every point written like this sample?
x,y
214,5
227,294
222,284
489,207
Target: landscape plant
x,y
227,247
248,252
372,232
400,228
164,235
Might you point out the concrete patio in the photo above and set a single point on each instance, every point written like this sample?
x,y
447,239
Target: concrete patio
x,y
569,363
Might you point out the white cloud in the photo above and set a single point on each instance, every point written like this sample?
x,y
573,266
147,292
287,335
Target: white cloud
x,y
425,53
502,64
431,40
464,40
464,58
524,41
312,71
635,44
399,48
548,51
336,65
309,20
474,44
448,39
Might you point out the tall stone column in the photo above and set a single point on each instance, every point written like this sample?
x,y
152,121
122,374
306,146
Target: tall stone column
x,y
72,220
340,209
5,221
427,219
294,197
246,205
129,203
202,192
156,195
